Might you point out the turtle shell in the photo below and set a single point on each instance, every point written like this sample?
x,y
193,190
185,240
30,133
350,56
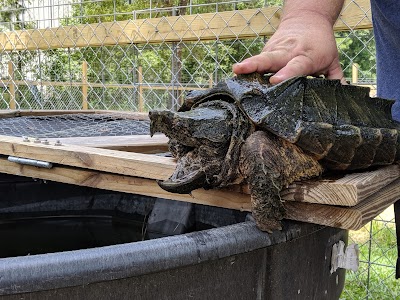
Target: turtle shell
x,y
341,125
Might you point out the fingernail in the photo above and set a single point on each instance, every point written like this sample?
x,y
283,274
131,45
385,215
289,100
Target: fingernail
x,y
276,79
278,76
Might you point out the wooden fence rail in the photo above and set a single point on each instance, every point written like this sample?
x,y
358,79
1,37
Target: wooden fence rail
x,y
238,24
11,85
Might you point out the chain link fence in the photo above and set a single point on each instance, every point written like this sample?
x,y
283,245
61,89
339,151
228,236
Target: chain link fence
x,y
141,55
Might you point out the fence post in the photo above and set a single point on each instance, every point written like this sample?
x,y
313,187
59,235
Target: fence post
x,y
84,86
354,73
140,81
11,85
210,81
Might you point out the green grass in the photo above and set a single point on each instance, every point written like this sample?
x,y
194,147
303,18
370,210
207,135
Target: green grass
x,y
375,278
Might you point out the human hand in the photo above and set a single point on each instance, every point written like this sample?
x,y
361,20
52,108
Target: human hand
x,y
303,45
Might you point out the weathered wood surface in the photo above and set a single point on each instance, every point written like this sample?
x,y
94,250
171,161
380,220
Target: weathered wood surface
x,y
127,184
239,24
86,84
113,161
348,190
129,143
343,217
6,113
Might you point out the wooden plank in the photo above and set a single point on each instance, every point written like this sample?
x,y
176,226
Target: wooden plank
x,y
69,83
249,23
134,143
11,85
345,217
127,184
134,115
22,113
355,15
145,86
348,190
168,88
118,162
8,113
354,73
140,82
84,85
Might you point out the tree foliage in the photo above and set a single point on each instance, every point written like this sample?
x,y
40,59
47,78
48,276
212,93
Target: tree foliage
x,y
11,15
357,47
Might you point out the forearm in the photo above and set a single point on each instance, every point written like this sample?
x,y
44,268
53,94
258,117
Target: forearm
x,y
312,10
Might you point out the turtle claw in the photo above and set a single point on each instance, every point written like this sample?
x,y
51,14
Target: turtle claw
x,y
184,186
269,225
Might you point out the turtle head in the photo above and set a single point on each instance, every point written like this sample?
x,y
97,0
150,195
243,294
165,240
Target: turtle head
x,y
205,124
201,139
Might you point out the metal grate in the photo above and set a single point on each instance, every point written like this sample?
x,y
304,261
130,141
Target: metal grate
x,y
73,125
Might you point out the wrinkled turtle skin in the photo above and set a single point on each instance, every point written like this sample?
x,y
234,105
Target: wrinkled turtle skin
x,y
246,130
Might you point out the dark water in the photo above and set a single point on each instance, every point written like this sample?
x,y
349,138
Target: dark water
x,y
39,235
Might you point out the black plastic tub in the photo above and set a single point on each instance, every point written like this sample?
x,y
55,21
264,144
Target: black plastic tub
x,y
67,242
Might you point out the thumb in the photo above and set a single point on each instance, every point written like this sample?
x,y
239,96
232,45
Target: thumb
x,y
336,73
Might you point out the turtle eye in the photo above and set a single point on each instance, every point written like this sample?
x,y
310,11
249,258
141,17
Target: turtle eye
x,y
251,93
256,92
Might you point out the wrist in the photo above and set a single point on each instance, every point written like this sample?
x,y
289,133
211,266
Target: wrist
x,y
307,17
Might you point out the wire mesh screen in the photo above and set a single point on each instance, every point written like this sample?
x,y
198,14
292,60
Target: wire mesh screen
x,y
142,55
375,278
73,125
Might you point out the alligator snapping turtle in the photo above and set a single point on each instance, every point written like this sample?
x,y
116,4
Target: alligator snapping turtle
x,y
245,129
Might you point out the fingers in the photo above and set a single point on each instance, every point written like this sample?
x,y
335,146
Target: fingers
x,y
298,66
275,61
337,73
245,67
264,62
303,65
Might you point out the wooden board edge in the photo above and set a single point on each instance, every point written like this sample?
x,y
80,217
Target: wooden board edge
x,y
383,199
5,113
349,190
321,192
333,216
130,164
351,218
129,143
126,184
368,182
112,161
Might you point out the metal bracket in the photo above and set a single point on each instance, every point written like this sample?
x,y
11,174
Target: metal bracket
x,y
30,162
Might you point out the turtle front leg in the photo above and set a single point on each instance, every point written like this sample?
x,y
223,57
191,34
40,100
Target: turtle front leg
x,y
269,164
